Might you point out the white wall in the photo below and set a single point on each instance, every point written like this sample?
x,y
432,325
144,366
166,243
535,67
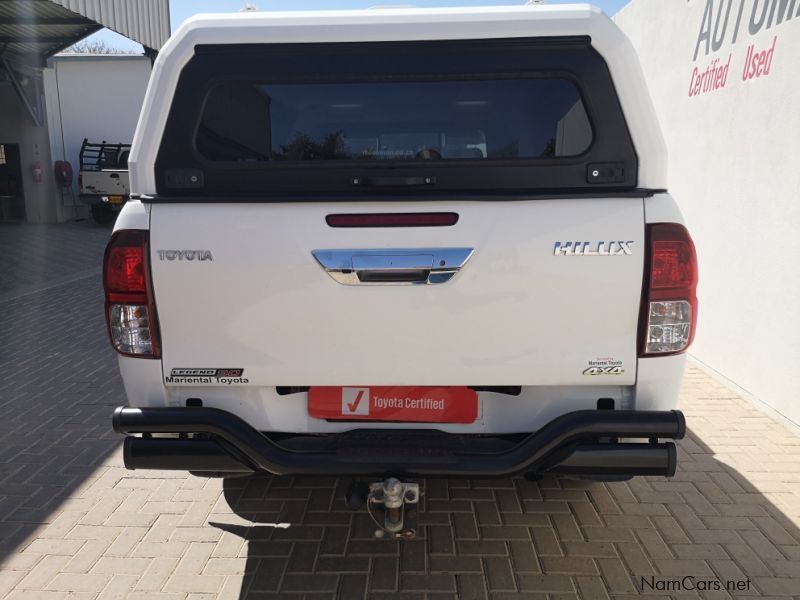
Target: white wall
x,y
17,127
735,170
92,96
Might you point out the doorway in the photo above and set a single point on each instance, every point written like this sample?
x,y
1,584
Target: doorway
x,y
12,199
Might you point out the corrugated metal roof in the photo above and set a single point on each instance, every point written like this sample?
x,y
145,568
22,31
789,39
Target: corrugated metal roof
x,y
31,29
144,21
35,29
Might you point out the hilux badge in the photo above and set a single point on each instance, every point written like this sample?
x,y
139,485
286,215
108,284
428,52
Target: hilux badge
x,y
612,248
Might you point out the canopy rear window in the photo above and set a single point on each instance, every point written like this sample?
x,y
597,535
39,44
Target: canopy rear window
x,y
488,119
472,117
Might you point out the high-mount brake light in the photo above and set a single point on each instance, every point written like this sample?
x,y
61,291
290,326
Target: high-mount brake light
x,y
431,219
669,305
130,312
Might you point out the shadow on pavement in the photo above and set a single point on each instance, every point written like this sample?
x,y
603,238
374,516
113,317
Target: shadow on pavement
x,y
486,538
59,379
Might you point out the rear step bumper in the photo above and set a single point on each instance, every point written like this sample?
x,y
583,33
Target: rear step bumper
x,y
574,443
571,444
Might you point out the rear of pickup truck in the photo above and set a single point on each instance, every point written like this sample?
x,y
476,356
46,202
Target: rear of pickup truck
x,y
403,243
103,178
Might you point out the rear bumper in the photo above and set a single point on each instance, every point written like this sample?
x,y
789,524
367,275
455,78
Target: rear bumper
x,y
101,200
579,443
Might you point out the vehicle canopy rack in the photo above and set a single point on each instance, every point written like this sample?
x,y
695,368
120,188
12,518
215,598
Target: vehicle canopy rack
x,y
99,156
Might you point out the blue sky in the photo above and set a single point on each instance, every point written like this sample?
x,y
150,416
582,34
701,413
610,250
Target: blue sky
x,y
182,9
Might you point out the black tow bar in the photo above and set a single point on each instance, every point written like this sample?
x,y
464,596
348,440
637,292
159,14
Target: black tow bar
x,y
571,443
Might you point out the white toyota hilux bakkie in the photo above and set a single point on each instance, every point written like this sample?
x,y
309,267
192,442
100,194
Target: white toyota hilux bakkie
x,y
397,244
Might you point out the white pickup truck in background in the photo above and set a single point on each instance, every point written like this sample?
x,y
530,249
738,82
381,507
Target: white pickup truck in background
x,y
103,181
401,243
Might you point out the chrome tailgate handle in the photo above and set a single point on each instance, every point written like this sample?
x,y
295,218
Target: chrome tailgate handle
x,y
393,266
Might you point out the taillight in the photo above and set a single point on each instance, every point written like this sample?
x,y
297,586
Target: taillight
x,y
669,307
130,312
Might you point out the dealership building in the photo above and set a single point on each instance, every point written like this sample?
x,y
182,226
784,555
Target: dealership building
x,y
724,76
49,103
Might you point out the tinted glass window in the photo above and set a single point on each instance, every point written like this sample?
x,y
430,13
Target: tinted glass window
x,y
497,119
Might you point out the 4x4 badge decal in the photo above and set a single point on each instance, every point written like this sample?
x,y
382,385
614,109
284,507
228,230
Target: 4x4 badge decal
x,y
604,371
604,365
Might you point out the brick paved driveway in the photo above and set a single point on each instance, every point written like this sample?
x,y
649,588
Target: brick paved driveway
x,y
74,524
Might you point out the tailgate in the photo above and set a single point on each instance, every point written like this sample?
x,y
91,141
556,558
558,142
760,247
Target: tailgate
x,y
105,183
242,300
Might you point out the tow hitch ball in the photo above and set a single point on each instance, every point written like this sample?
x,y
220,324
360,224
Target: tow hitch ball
x,y
392,505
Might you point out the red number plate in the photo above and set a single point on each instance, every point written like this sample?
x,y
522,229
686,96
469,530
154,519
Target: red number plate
x,y
394,403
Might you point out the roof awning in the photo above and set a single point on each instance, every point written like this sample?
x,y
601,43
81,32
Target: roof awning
x,y
33,30
143,21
